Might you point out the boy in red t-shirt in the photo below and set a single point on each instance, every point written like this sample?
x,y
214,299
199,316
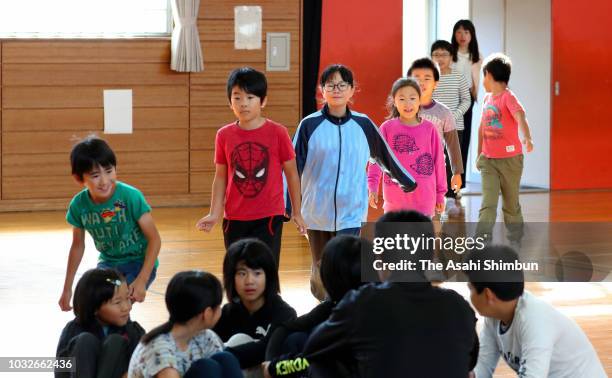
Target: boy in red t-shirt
x,y
500,154
251,155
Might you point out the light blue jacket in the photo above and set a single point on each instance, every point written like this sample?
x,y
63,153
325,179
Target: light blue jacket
x,y
332,155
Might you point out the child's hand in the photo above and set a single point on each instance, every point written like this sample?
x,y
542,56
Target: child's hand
x,y
264,368
373,200
207,223
137,291
440,208
456,183
528,145
299,222
64,301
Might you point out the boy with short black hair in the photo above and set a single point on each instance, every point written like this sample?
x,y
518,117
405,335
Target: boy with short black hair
x,y
427,74
251,155
500,154
534,338
116,215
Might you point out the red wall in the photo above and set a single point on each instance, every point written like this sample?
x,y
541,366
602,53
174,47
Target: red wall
x,y
366,36
581,133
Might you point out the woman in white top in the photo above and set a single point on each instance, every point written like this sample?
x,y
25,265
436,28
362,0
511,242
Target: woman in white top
x,y
468,61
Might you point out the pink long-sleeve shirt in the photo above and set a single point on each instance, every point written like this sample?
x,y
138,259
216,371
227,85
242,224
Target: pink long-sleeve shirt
x,y
419,149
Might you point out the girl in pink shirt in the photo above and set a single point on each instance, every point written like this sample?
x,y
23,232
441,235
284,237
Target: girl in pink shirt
x,y
418,148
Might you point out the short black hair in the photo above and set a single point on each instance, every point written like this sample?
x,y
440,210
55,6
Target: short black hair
x,y
249,80
345,73
499,66
505,284
413,224
188,294
256,255
95,287
441,44
341,265
425,63
90,153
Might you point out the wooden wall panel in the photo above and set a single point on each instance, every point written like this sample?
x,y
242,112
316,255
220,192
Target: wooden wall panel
x,y
90,97
93,51
87,119
271,9
40,142
51,95
80,74
57,164
17,188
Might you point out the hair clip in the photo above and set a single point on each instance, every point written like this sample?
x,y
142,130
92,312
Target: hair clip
x,y
114,282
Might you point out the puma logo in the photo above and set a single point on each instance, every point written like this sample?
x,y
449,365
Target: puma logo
x,y
261,331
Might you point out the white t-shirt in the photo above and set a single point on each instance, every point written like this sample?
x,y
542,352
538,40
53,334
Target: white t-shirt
x,y
162,352
541,342
471,71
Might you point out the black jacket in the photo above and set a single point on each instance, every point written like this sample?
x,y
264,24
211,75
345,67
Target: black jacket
x,y
236,319
132,332
396,330
294,364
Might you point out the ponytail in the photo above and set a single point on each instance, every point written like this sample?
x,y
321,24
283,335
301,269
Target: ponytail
x,y
164,328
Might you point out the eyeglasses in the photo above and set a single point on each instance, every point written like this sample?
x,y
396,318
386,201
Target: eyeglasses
x,y
342,86
440,55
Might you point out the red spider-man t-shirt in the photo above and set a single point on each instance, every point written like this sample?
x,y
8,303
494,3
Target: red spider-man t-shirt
x,y
254,160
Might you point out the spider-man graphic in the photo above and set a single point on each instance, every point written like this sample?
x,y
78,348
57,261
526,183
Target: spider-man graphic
x,y
250,162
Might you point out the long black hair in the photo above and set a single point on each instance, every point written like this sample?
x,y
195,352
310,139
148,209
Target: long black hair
x,y
473,45
187,295
256,255
94,288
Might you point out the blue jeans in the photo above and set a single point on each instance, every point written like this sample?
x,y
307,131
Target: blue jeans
x,y
130,270
219,365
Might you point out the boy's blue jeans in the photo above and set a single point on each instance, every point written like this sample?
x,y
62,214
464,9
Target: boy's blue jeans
x,y
130,270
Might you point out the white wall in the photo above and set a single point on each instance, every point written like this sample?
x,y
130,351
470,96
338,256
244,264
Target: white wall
x,y
489,20
416,23
528,43
520,29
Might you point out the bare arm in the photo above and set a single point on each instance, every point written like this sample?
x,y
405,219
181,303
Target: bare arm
x,y
147,226
217,200
295,194
168,373
519,116
74,260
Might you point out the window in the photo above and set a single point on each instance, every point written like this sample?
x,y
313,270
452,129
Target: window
x,y
448,12
84,18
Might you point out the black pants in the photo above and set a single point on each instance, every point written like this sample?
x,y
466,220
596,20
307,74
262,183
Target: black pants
x,y
464,139
317,241
269,230
97,359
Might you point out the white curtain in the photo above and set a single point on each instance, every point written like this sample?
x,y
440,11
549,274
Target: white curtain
x,y
186,51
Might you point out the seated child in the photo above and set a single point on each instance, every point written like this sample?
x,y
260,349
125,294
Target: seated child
x,y
401,327
185,346
102,337
254,307
117,217
340,273
534,338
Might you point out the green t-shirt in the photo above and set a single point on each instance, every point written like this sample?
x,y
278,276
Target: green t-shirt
x,y
113,225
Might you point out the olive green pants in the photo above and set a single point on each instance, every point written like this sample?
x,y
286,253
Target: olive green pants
x,y
501,175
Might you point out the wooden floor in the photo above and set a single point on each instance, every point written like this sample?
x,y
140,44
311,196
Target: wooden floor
x,y
34,248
